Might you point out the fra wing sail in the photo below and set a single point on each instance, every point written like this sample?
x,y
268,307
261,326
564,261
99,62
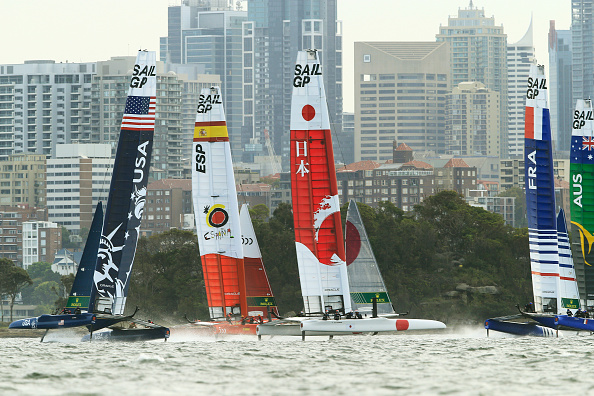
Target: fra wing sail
x,y
540,193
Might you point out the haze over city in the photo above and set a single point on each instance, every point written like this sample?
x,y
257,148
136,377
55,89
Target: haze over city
x,y
83,31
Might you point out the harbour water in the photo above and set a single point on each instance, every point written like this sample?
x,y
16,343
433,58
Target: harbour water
x,y
463,362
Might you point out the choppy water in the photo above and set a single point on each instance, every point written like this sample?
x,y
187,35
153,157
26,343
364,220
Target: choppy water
x,y
463,363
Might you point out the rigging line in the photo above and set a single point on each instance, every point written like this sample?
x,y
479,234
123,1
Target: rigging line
x,y
240,188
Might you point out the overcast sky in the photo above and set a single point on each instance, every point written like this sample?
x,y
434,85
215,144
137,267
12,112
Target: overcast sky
x,y
84,30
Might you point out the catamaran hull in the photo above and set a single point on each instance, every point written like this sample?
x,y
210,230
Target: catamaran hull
x,y
564,321
370,325
523,329
130,335
47,322
319,327
220,329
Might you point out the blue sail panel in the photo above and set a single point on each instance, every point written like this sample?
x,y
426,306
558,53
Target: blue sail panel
x,y
129,181
80,294
540,194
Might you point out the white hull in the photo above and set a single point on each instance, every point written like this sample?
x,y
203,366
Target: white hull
x,y
374,325
315,326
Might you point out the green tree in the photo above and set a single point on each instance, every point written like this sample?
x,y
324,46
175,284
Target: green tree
x,y
167,276
12,281
259,213
66,282
66,243
41,272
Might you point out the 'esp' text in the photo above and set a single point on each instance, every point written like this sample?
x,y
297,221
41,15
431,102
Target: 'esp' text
x,y
200,159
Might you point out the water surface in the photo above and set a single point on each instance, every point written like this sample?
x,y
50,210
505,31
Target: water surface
x,y
459,363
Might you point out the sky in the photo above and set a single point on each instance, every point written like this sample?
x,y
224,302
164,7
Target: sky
x,y
88,31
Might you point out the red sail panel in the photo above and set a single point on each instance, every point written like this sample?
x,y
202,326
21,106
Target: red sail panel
x,y
314,181
259,294
221,280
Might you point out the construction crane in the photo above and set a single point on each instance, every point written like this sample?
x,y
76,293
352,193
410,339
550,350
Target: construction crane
x,y
276,166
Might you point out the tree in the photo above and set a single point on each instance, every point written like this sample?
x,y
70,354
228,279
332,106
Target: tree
x,y
259,213
12,281
64,289
167,276
41,272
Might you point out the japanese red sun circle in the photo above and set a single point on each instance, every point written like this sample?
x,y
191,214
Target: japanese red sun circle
x,y
308,112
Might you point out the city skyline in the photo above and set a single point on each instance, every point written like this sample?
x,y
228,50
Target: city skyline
x,y
76,32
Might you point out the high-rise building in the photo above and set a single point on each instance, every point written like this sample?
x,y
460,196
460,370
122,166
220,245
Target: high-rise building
x,y
77,179
582,43
22,180
478,51
472,120
560,86
274,32
520,56
43,104
400,94
211,35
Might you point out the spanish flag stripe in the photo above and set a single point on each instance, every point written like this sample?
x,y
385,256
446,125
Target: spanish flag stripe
x,y
210,123
207,132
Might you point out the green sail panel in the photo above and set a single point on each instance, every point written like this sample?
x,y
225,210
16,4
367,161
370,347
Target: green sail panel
x,y
582,197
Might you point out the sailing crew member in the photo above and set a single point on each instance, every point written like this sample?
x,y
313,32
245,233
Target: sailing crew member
x,y
569,312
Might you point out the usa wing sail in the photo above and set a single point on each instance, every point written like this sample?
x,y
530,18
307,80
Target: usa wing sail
x,y
259,293
581,194
127,192
540,194
365,279
216,211
316,207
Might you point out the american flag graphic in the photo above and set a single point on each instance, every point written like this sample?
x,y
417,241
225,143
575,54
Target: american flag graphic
x,y
139,113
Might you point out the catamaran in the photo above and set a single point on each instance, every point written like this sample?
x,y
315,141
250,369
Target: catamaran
x,y
553,275
102,283
319,238
237,288
77,312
